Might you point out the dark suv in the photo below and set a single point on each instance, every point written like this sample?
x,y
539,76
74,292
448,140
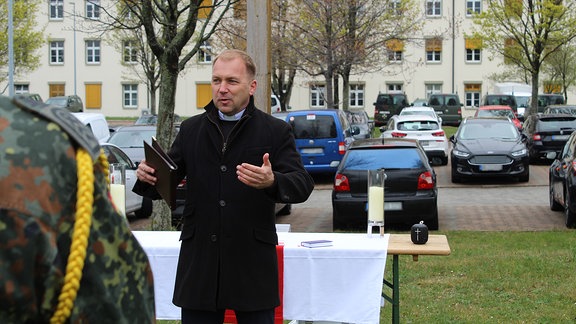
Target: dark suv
x,y
501,100
73,103
547,133
547,99
447,106
388,105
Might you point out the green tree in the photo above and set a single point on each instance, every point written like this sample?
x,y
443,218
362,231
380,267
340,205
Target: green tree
x,y
27,38
560,68
526,33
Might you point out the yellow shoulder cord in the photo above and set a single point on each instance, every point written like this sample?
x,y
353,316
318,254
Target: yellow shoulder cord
x,y
81,232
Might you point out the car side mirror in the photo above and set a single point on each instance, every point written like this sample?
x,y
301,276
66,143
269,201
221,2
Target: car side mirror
x,y
383,129
452,139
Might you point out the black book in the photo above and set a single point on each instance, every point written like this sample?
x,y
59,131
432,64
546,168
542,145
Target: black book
x,y
166,171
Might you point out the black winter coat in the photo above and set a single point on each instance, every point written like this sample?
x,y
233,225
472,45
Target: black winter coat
x,y
228,251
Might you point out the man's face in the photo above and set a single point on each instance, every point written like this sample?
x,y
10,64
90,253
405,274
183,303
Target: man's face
x,y
231,86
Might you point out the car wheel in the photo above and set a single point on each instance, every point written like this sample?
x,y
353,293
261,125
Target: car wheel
x,y
554,205
455,177
146,210
569,214
286,210
436,161
445,160
433,222
525,177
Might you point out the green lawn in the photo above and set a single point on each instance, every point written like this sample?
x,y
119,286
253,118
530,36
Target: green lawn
x,y
490,277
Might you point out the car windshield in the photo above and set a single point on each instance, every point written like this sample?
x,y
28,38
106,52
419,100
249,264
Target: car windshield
x,y
556,124
495,113
313,126
357,118
488,130
131,138
387,158
60,102
418,125
418,112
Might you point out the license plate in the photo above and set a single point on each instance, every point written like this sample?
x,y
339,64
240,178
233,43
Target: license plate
x,y
424,143
439,113
312,150
393,205
490,167
560,137
384,113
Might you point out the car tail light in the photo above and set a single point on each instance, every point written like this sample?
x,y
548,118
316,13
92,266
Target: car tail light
x,y
440,133
574,167
425,181
341,183
537,137
398,134
342,148
182,183
459,111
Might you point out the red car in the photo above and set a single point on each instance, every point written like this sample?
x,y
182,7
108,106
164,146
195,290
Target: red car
x,y
499,111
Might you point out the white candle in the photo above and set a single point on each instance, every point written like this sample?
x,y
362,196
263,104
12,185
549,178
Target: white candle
x,y
376,204
118,194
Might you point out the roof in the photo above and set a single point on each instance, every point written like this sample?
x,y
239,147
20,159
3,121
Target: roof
x,y
494,107
403,118
370,142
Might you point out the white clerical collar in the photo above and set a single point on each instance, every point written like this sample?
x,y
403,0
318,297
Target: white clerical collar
x,y
231,118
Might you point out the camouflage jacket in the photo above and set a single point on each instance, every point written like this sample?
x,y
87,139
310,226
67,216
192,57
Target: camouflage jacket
x,y
37,212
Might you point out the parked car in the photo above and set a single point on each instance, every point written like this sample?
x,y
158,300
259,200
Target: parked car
x,y
426,130
322,137
560,109
152,119
141,207
410,193
421,110
73,102
501,100
447,106
31,96
547,99
97,123
562,181
500,112
130,139
388,105
359,118
489,147
419,103
547,133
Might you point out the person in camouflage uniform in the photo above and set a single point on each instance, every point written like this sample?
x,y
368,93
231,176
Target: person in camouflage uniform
x,y
38,218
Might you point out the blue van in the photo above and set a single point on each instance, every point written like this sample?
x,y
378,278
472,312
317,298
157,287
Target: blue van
x,y
322,137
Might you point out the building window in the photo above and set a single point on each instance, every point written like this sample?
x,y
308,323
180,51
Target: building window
x,y
472,92
432,88
93,52
205,9
473,7
93,96
394,87
473,50
93,9
433,8
205,53
395,7
57,52
203,94
395,49
357,95
433,50
21,88
317,96
130,55
56,9
56,90
130,92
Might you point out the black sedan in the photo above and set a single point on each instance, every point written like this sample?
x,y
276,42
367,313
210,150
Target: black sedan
x,y
547,133
410,193
489,147
562,181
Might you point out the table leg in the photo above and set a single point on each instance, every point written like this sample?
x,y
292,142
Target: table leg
x,y
395,291
395,286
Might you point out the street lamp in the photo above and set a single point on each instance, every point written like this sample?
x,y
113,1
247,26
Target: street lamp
x,y
74,28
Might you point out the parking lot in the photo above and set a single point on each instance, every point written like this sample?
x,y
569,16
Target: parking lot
x,y
476,206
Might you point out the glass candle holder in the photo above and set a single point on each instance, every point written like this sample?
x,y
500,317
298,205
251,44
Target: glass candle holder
x,y
118,187
376,179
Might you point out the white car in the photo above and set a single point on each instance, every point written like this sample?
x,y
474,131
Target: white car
x,y
427,130
420,110
142,207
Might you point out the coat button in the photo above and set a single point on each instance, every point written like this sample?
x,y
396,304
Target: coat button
x,y
222,203
223,168
213,238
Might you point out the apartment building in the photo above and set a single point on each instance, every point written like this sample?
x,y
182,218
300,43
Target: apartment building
x,y
98,69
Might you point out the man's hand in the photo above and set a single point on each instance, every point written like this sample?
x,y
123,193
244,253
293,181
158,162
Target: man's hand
x,y
259,177
145,173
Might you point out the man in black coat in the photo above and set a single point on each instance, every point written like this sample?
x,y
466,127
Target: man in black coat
x,y
239,161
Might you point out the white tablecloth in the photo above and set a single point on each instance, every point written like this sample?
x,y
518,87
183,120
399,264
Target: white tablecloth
x,y
341,283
